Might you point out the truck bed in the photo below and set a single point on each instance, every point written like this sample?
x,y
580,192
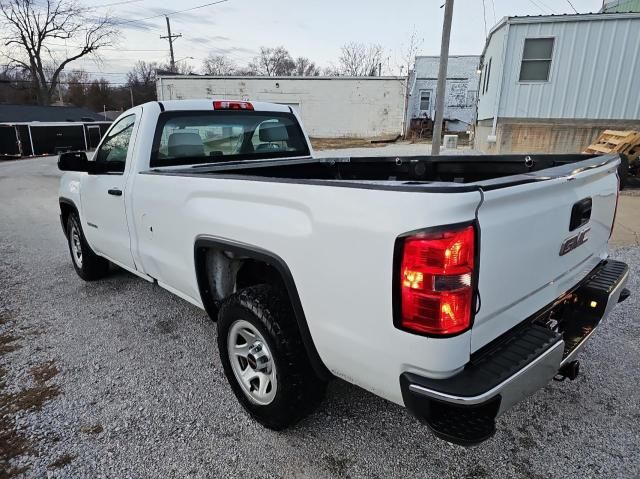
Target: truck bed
x,y
410,173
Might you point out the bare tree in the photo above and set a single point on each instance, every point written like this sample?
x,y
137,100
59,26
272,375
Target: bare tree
x,y
100,96
273,62
76,87
182,67
359,60
142,74
28,29
331,71
15,85
409,51
303,67
218,65
141,80
245,71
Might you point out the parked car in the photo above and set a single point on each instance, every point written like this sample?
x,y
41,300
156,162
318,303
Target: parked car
x,y
455,286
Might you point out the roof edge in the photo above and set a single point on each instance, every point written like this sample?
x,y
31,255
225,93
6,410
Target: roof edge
x,y
263,77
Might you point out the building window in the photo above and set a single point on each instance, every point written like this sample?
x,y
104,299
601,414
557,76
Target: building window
x,y
487,77
472,97
425,100
536,59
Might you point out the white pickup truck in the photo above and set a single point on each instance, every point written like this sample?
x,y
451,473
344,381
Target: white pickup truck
x,y
455,285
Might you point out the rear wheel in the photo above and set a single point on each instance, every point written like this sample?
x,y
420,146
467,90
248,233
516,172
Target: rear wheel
x,y
264,359
87,264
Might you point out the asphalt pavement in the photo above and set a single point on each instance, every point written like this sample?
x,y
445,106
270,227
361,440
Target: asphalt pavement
x,y
120,379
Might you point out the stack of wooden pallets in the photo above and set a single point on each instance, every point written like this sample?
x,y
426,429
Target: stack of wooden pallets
x,y
613,141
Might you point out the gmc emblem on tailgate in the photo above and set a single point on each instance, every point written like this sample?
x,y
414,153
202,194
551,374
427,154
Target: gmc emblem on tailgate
x,y
574,241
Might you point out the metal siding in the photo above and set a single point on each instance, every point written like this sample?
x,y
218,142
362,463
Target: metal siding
x,y
486,102
594,65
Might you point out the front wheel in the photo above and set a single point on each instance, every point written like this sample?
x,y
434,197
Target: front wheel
x,y
87,264
264,359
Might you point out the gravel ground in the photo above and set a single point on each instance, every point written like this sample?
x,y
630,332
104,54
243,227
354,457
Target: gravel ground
x,y
119,378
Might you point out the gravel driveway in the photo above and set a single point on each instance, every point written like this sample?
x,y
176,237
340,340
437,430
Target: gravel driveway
x,y
121,379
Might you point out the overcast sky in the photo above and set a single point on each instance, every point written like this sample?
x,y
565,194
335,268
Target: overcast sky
x,y
311,28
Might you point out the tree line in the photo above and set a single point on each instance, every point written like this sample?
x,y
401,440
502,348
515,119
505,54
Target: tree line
x,y
19,84
43,39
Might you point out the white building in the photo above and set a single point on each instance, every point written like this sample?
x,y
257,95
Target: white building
x,y
553,83
330,107
461,92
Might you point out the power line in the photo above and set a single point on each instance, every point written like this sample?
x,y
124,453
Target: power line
x,y
574,8
484,17
169,13
547,7
116,3
538,6
112,49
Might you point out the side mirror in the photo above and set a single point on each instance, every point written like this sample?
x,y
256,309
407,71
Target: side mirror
x,y
73,161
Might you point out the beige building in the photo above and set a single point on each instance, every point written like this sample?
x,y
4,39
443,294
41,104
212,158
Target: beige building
x,y
330,107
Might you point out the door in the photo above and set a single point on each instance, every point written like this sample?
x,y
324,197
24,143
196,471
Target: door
x,y
102,195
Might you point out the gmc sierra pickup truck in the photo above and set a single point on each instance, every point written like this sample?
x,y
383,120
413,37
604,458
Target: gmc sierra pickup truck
x,y
454,285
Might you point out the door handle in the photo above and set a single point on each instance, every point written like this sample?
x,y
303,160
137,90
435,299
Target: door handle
x,y
115,191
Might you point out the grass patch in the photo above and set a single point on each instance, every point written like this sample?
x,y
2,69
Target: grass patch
x,y
62,461
92,429
8,343
43,372
27,399
5,316
12,445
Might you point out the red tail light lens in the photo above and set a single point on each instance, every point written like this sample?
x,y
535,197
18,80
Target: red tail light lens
x,y
436,281
232,105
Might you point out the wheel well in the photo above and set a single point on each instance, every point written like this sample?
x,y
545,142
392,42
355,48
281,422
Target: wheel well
x,y
221,272
65,211
253,272
222,268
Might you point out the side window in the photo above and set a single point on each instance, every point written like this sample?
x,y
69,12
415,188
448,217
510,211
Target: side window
x,y
487,76
113,151
425,100
536,59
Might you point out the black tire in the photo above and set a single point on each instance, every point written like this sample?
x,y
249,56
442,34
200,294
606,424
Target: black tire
x,y
88,265
299,390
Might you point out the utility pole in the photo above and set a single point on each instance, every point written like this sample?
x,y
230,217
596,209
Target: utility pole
x,y
442,77
170,37
131,93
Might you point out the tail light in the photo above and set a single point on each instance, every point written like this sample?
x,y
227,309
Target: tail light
x,y
232,105
436,281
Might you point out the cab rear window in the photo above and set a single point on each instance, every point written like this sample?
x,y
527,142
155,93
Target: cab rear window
x,y
184,138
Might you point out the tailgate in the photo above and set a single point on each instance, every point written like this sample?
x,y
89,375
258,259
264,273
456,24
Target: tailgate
x,y
523,231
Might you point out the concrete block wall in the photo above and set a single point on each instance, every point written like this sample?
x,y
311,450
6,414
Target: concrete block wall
x,y
330,107
540,136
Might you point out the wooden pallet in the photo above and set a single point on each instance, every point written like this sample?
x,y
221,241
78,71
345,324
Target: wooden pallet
x,y
614,141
